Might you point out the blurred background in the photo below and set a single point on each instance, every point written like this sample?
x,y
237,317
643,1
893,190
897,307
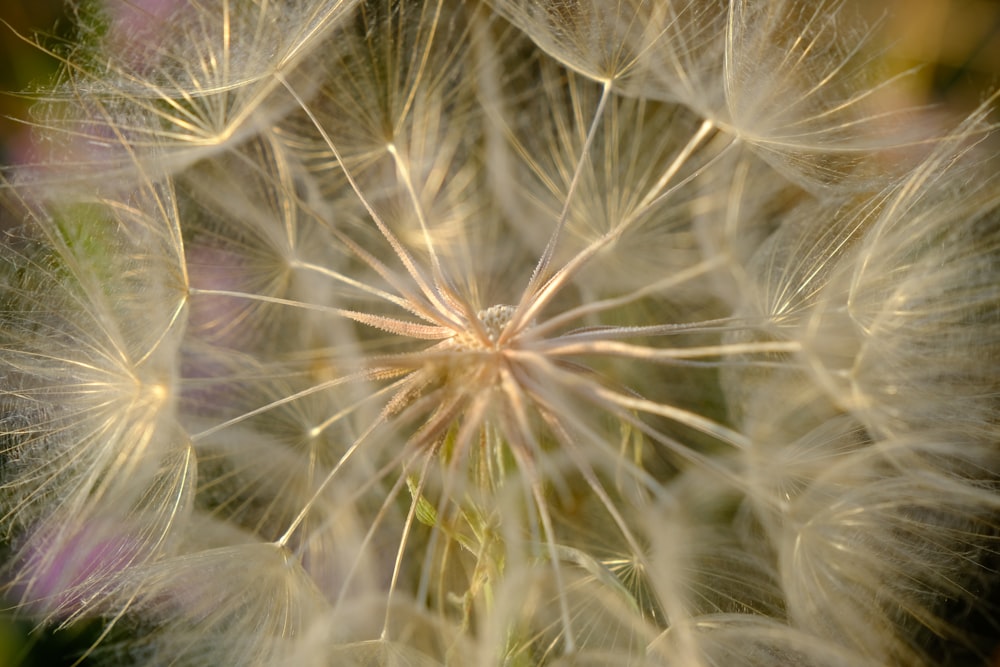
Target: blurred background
x,y
23,65
955,42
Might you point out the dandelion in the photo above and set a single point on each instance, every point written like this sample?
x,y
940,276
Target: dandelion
x,y
512,333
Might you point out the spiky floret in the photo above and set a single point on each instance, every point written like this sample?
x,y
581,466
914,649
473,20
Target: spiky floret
x,y
483,348
730,62
166,83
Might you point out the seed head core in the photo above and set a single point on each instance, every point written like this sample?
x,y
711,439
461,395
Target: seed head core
x,y
493,320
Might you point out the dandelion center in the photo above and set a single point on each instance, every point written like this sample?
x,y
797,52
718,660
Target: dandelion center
x,y
492,321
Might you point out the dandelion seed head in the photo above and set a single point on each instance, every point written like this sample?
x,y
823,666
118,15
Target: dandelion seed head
x,y
497,332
